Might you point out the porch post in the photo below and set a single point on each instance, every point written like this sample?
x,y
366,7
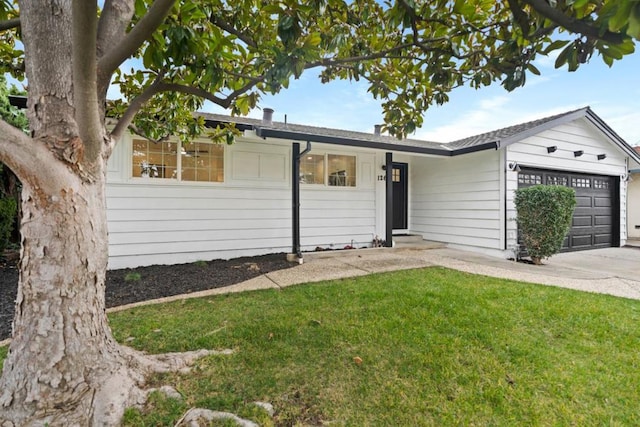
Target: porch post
x,y
389,200
295,198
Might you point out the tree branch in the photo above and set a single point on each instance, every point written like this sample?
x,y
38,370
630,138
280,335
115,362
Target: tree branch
x,y
112,28
9,24
112,59
223,25
573,24
85,94
134,106
25,157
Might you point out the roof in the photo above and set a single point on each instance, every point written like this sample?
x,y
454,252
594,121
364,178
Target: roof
x,y
299,132
490,140
506,134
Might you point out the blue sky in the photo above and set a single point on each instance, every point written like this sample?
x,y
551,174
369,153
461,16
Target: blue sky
x,y
612,93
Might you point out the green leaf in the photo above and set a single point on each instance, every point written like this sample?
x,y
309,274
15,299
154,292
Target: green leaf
x,y
532,68
634,22
563,57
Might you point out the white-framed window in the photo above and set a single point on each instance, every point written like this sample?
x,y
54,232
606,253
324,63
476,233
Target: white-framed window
x,y
334,170
196,161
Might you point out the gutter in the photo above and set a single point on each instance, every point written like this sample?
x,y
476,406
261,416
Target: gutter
x,y
264,133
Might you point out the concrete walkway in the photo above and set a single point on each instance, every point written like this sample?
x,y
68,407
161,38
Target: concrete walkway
x,y
613,271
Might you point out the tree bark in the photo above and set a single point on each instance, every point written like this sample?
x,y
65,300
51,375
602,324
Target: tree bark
x,y
62,354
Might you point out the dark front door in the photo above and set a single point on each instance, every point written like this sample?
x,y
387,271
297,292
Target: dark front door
x,y
400,195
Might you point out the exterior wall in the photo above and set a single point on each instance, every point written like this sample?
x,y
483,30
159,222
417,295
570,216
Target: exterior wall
x,y
633,206
334,217
153,221
457,200
569,137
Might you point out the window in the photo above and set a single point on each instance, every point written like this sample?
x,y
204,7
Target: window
x,y
312,169
198,161
601,184
581,182
557,180
340,170
529,178
151,160
203,162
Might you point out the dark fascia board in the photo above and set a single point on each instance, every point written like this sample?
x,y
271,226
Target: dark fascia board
x,y
18,101
239,126
350,142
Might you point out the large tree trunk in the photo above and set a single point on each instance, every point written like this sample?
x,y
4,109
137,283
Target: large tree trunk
x,y
63,356
64,368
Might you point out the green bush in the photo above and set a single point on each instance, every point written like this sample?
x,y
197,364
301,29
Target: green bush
x,y
544,218
7,217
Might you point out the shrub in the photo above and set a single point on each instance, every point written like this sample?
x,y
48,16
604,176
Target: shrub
x,y
7,217
544,218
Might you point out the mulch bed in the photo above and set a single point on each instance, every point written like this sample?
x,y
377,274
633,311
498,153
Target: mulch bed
x,y
156,281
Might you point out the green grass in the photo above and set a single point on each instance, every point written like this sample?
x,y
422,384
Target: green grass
x,y
438,347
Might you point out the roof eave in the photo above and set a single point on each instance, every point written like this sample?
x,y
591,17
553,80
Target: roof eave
x,y
267,132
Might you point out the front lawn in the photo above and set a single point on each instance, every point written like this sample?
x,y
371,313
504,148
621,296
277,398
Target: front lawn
x,y
420,347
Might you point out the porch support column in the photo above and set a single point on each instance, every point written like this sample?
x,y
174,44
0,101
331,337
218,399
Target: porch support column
x,y
295,198
389,200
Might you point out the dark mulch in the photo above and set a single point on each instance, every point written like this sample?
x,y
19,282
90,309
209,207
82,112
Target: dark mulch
x,y
156,281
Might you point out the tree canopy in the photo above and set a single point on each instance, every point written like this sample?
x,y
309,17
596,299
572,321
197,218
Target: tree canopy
x,y
412,54
168,56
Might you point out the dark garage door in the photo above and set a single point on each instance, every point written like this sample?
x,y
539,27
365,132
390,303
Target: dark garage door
x,y
596,217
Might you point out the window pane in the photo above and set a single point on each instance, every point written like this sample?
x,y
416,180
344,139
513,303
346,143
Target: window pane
x,y
342,170
202,161
151,160
312,169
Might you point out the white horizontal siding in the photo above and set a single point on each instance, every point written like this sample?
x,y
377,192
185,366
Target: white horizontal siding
x,y
167,224
155,221
334,218
457,200
633,207
578,135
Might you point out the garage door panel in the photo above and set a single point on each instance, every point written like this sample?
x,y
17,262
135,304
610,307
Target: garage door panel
x,y
580,241
594,219
603,239
603,220
584,201
602,202
582,221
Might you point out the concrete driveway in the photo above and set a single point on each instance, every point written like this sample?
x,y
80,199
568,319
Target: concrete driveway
x,y
622,263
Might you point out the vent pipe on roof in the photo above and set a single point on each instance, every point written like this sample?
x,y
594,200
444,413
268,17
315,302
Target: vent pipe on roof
x,y
377,129
267,116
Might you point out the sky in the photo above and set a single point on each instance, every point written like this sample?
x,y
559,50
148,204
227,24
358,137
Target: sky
x,y
612,93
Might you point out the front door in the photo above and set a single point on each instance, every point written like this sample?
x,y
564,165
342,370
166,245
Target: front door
x,y
400,195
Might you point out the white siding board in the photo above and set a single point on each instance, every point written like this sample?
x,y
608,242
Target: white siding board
x,y
171,237
455,222
201,225
177,248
